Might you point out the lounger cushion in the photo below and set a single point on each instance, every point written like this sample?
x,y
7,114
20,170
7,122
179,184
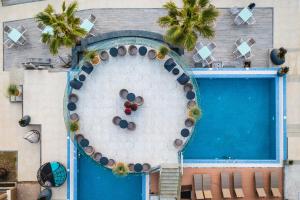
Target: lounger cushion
x,y
239,192
261,192
226,193
207,194
199,194
275,192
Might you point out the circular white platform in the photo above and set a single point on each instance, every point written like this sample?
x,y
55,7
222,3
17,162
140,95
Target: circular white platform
x,y
159,120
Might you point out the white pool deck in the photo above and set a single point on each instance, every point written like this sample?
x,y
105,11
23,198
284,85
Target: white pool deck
x,y
158,121
286,33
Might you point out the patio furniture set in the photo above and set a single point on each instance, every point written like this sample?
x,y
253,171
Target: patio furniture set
x,y
203,185
15,36
242,48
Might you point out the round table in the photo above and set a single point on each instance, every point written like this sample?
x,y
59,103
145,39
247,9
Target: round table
x,y
190,95
131,97
185,132
123,123
71,106
138,167
82,77
175,71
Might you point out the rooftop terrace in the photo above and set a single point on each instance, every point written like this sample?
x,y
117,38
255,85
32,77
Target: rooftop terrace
x,y
145,19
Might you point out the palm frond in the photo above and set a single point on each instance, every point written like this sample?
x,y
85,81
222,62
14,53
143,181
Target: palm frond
x,y
72,8
190,40
167,21
209,14
203,3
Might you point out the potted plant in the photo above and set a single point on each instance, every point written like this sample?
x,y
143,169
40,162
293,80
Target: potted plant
x,y
120,169
74,126
92,56
283,71
24,121
13,90
195,113
277,56
162,52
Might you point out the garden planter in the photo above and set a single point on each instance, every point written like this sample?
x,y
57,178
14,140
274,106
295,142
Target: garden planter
x,y
276,60
24,121
96,60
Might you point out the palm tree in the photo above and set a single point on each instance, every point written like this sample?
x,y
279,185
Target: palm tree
x,y
185,24
66,26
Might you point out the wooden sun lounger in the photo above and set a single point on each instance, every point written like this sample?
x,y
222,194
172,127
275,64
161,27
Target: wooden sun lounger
x,y
225,185
198,184
274,185
237,182
259,184
207,186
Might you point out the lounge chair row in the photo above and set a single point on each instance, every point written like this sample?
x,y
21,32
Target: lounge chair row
x,y
202,185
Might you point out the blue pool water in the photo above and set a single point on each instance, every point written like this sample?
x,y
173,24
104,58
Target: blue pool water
x,y
97,183
238,121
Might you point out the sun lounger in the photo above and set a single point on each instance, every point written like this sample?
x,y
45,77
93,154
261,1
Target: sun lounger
x,y
207,186
274,185
225,185
198,184
237,182
259,185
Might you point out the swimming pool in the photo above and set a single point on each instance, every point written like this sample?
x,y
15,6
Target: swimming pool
x,y
96,182
239,119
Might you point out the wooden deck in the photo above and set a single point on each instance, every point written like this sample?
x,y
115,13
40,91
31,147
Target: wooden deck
x,y
145,19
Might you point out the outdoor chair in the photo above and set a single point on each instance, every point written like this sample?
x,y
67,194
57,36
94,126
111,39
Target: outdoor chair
x,y
238,42
209,60
197,58
207,186
237,184
251,21
238,21
225,185
274,185
21,29
234,10
41,26
248,55
92,18
211,46
8,43
251,42
22,41
183,79
7,29
237,54
199,46
259,185
198,184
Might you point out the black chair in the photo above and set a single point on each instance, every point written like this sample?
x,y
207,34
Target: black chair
x,y
87,68
183,79
142,51
251,6
169,64
75,84
113,52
